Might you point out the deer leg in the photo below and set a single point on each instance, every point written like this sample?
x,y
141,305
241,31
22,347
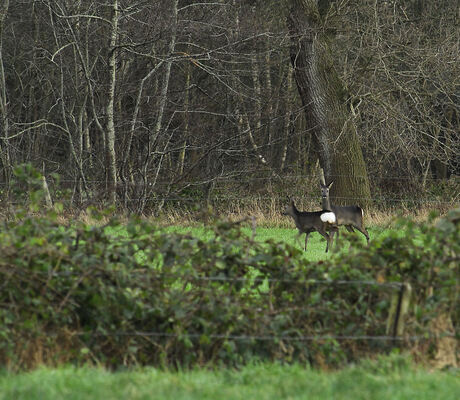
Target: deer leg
x,y
335,231
363,230
337,238
349,228
332,232
326,236
306,239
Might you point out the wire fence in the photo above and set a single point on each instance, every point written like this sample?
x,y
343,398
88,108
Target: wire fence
x,y
168,276
242,189
244,176
396,288
280,198
310,338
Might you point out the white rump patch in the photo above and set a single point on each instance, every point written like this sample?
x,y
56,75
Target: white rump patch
x,y
328,217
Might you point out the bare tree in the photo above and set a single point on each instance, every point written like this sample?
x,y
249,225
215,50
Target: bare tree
x,y
4,131
147,101
110,134
399,61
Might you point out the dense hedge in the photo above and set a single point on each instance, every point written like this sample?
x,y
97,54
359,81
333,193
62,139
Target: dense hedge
x,y
129,293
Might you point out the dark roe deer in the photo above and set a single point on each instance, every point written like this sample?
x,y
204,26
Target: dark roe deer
x,y
349,216
307,222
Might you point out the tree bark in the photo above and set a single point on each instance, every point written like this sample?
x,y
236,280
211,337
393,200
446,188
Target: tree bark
x,y
4,123
165,86
287,119
324,99
110,134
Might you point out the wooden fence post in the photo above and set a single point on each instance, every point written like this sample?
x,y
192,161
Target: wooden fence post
x,y
399,307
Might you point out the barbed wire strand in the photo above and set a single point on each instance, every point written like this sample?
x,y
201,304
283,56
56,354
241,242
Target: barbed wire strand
x,y
306,282
281,198
242,177
393,285
413,338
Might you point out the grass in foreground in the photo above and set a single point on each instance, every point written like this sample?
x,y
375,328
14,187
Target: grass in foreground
x,y
390,378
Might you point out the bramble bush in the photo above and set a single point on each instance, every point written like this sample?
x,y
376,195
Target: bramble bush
x,y
127,293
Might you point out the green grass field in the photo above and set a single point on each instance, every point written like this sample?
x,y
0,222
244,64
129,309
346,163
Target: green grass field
x,y
316,243
390,378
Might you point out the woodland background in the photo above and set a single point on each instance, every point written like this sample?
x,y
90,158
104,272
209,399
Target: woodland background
x,y
144,104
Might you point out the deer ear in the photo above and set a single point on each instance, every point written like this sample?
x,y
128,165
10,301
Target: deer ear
x,y
330,184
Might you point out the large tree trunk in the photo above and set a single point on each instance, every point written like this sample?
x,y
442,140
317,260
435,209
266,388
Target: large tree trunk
x,y
323,96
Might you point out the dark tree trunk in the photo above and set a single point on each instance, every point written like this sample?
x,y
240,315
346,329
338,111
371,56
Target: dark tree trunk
x,y
324,99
